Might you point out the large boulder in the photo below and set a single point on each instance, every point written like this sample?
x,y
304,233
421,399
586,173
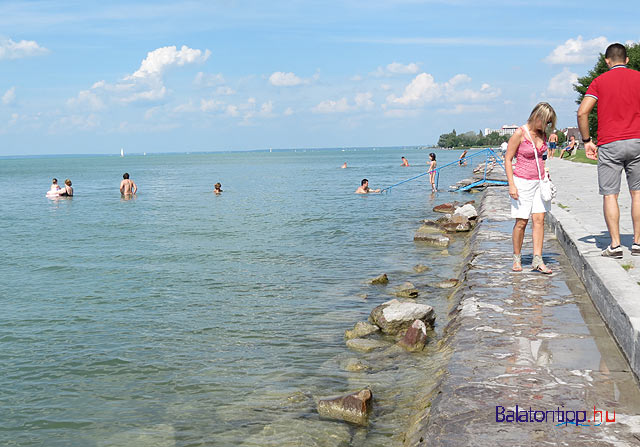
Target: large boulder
x,y
396,316
415,338
382,279
366,344
406,290
434,239
361,329
354,407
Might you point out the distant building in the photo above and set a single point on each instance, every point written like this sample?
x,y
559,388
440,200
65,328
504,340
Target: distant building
x,y
573,131
507,129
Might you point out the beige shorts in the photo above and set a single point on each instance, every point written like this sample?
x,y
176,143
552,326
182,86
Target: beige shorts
x,y
529,200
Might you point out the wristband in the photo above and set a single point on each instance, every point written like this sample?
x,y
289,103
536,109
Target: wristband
x,y
586,140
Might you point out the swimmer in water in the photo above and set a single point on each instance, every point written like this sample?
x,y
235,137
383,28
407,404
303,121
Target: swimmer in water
x,y
405,162
216,189
364,187
344,166
67,191
127,186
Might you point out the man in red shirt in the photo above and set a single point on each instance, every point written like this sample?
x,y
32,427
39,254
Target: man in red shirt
x,y
617,93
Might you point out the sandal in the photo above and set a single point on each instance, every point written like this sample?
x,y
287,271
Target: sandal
x,y
539,266
517,262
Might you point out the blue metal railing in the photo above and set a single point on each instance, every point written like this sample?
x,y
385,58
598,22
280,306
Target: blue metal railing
x,y
489,154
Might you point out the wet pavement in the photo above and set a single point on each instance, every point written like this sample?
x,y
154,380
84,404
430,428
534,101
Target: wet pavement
x,y
531,341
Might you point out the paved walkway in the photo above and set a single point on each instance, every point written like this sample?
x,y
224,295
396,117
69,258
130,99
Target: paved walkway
x,y
526,341
578,221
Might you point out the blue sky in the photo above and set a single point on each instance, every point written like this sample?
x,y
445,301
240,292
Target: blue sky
x,y
87,77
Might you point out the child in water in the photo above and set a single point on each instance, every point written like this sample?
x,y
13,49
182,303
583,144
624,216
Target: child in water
x,y
216,188
432,173
53,191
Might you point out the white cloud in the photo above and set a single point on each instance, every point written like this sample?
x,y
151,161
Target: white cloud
x,y
577,51
281,79
158,60
9,96
232,110
208,79
361,101
396,68
225,91
330,106
266,109
87,99
459,109
288,111
421,90
562,83
207,105
356,78
17,50
424,89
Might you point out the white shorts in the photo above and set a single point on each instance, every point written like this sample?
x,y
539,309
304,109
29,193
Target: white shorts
x,y
529,200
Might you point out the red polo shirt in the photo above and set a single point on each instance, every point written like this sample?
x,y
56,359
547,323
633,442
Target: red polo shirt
x,y
618,95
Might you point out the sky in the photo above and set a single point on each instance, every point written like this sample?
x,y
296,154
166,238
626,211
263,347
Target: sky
x,y
85,77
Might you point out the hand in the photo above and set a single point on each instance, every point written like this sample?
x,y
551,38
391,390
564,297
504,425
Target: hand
x,y
513,192
591,150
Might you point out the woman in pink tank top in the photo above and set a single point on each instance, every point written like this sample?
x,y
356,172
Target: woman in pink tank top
x,y
527,145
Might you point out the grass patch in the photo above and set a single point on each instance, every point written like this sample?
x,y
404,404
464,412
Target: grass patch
x,y
564,207
581,157
627,267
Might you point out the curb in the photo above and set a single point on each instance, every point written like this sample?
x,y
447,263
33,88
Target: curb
x,y
614,293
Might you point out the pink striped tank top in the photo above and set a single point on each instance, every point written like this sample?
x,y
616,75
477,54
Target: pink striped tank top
x,y
525,160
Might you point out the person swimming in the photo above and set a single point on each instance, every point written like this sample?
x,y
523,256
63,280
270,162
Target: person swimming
x,y
344,165
405,162
67,191
216,188
127,186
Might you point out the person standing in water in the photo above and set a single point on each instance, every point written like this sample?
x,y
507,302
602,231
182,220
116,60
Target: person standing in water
x,y
405,162
432,171
217,189
127,186
364,187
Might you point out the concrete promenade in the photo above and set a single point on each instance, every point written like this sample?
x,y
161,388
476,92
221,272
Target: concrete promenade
x,y
578,222
525,341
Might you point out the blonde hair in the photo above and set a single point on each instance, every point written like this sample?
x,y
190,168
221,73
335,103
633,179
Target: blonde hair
x,y
67,182
545,113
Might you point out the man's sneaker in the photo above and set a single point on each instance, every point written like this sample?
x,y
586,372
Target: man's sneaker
x,y
613,252
635,249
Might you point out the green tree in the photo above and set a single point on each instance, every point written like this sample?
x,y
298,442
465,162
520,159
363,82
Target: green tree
x,y
633,52
562,138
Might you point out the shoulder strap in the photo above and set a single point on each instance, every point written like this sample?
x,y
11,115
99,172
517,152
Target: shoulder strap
x,y
535,152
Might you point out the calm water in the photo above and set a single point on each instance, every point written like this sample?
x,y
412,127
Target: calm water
x,y
183,318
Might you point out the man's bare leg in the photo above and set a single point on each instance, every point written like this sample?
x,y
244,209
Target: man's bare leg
x,y
612,217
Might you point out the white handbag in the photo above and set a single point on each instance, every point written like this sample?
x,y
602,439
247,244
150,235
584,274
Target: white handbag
x,y
548,190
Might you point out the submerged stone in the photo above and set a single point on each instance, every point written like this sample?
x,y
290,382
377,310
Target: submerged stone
x,y
406,290
382,279
355,365
361,329
447,283
419,268
445,208
354,407
365,344
437,240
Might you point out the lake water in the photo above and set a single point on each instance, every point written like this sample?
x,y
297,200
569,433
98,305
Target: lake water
x,y
181,318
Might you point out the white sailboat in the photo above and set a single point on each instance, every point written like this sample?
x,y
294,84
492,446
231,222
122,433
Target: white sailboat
x,y
122,152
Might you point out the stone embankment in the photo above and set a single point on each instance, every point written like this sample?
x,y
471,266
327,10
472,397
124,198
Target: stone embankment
x,y
532,362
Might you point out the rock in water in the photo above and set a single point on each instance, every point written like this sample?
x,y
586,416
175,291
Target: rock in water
x,y
361,329
415,338
366,344
406,290
447,283
453,227
355,365
382,279
445,208
419,268
437,240
468,210
354,407
395,316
